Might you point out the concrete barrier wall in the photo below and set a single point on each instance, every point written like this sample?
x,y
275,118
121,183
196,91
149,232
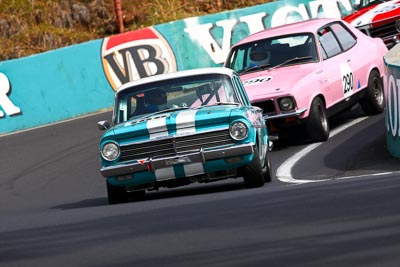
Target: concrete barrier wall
x,y
392,87
81,79
51,87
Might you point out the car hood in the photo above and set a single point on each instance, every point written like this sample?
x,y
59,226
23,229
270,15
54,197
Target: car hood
x,y
275,82
172,123
375,14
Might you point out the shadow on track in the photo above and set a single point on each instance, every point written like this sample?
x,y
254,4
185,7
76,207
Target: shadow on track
x,y
190,190
297,137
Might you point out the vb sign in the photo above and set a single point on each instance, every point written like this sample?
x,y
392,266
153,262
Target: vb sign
x,y
133,55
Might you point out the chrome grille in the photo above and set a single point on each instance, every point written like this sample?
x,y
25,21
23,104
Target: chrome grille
x,y
386,30
267,107
176,145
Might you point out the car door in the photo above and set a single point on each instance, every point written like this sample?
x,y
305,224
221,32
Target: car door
x,y
337,69
329,76
356,60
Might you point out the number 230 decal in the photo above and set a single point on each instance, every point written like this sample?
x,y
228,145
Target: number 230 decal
x,y
347,79
258,80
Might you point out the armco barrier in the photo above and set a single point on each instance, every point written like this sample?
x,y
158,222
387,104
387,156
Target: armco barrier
x,y
392,86
81,79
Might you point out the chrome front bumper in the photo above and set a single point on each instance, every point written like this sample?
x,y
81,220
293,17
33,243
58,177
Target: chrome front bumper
x,y
159,163
295,113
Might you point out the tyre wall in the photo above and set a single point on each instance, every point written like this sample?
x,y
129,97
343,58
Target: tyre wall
x,y
392,93
81,79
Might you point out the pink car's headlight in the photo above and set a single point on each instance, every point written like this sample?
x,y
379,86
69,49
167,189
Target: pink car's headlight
x,y
286,103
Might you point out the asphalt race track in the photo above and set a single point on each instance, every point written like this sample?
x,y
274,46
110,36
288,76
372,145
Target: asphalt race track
x,y
331,204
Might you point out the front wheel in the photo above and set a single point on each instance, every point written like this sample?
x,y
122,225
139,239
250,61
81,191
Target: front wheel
x,y
317,125
267,171
373,102
253,173
116,194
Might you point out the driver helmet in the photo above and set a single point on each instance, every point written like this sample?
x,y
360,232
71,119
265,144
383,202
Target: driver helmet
x,y
259,55
156,99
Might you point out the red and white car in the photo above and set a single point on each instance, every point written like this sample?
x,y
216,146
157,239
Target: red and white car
x,y
305,72
377,18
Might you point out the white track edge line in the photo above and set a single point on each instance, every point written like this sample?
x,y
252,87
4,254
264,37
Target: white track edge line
x,y
284,172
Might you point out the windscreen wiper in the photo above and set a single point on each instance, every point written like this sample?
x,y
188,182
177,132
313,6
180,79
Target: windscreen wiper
x,y
220,104
159,112
255,68
291,60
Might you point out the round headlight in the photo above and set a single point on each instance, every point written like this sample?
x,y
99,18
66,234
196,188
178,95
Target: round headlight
x,y
239,130
110,151
286,104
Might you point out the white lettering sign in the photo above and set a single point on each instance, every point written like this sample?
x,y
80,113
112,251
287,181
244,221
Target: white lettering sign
x,y
201,33
5,102
392,106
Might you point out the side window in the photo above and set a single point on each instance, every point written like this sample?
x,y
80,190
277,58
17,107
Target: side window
x,y
329,43
346,39
238,60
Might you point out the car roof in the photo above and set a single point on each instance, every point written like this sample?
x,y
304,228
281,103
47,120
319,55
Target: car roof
x,y
311,25
178,74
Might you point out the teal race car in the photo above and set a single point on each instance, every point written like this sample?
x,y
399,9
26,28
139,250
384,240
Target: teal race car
x,y
174,129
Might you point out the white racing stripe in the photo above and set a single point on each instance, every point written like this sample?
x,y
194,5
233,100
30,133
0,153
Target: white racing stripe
x,y
185,122
194,169
284,172
157,127
164,173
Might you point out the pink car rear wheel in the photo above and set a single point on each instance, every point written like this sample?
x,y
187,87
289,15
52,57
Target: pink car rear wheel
x,y
373,102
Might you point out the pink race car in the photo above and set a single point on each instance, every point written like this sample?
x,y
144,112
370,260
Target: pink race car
x,y
377,18
305,72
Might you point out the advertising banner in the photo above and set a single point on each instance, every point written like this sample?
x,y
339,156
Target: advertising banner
x,y
392,94
81,79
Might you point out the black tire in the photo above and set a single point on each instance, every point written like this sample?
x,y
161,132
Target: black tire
x,y
267,170
373,101
253,175
317,125
137,195
116,194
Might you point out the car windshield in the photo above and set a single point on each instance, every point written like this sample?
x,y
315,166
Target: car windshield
x,y
173,94
273,52
365,3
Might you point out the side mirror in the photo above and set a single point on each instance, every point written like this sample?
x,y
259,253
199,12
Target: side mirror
x,y
103,125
